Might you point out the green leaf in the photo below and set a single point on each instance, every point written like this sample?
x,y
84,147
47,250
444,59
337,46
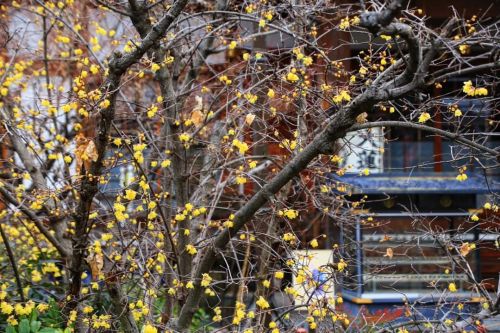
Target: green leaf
x,y
24,326
35,326
34,316
10,329
48,330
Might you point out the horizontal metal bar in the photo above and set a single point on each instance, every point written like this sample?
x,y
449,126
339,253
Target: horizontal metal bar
x,y
410,214
414,277
406,261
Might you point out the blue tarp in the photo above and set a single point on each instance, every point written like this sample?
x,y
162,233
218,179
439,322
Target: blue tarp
x,y
431,182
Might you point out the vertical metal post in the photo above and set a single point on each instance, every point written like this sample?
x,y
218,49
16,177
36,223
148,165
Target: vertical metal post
x,y
477,252
359,257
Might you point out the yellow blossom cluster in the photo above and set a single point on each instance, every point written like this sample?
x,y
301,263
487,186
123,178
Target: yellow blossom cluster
x,y
424,116
242,146
462,176
470,90
456,111
346,22
288,144
342,96
289,213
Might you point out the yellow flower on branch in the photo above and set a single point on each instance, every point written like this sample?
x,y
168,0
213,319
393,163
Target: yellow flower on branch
x,y
292,77
470,90
149,329
262,303
191,249
424,116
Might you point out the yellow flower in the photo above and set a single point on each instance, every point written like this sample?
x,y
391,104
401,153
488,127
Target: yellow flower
x,y
344,23
105,103
130,194
228,224
42,307
94,69
424,116
36,276
343,95
155,67
270,93
279,275
241,180
289,213
12,321
233,45
461,177
88,309
474,218
217,316
6,308
341,265
292,77
314,243
470,90
184,137
307,61
262,303
191,249
24,310
180,217
289,237
242,146
149,329
452,287
206,280
464,49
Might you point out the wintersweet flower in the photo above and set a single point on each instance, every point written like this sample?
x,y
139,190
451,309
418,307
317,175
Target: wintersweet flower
x,y
292,77
470,90
149,329
314,243
424,116
206,280
191,249
262,303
